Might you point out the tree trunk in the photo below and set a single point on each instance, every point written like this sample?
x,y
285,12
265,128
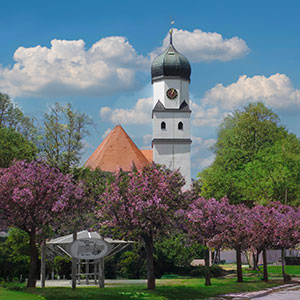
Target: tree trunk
x,y
265,263
207,269
74,265
239,271
150,262
101,273
43,264
255,257
285,278
33,260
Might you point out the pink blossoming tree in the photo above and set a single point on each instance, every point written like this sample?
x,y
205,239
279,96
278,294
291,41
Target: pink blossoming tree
x,y
235,234
204,219
142,205
34,197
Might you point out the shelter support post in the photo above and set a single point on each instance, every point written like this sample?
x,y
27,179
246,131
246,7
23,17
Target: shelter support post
x,y
74,265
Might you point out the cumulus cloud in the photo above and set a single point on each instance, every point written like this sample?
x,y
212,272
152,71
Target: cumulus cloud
x,y
205,46
67,68
201,155
276,91
203,116
147,139
139,114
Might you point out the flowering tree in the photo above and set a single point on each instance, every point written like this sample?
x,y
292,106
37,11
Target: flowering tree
x,y
261,231
142,205
34,197
286,230
235,233
204,219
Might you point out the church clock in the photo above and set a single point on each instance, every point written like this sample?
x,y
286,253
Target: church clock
x,y
172,93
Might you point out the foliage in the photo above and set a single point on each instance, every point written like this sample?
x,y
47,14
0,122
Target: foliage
x,y
215,271
35,197
257,160
132,263
13,285
62,266
12,117
14,146
14,255
174,253
142,205
64,130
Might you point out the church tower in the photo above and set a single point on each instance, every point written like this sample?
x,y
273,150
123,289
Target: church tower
x,y
170,73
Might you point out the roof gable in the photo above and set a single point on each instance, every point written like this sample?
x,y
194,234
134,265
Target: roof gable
x,y
117,151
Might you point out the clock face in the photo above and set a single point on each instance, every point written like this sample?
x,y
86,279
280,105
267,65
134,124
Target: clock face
x,y
172,93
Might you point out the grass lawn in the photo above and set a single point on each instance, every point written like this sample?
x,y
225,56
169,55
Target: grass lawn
x,y
175,289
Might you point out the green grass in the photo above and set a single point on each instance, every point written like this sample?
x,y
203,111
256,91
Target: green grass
x,y
291,270
175,289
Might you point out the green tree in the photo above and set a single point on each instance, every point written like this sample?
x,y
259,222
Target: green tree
x,y
14,255
11,116
64,131
14,145
256,159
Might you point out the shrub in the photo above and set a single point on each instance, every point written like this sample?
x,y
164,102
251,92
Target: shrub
x,y
215,271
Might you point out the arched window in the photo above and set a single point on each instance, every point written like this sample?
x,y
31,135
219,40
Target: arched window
x,y
163,125
180,126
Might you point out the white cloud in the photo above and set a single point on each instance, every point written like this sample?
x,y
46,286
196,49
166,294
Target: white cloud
x,y
139,114
202,116
147,139
205,46
275,91
201,155
67,68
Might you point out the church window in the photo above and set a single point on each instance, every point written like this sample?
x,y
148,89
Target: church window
x,y
163,125
180,126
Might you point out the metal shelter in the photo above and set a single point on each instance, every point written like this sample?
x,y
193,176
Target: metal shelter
x,y
86,269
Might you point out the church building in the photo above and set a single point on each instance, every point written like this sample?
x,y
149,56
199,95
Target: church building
x,y
171,113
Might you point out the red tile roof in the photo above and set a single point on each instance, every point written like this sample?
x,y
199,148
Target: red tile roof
x,y
117,151
148,154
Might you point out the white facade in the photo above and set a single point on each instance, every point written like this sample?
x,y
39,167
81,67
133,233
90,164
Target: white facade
x,y
160,88
172,141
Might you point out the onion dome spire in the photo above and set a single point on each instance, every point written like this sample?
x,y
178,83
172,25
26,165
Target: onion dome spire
x,y
170,64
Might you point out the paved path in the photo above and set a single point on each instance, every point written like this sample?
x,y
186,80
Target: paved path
x,y
283,292
108,283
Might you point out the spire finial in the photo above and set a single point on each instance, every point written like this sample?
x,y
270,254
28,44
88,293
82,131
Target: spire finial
x,y
171,30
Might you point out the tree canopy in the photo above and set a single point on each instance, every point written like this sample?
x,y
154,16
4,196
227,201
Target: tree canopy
x,y
142,205
63,133
35,198
13,145
257,159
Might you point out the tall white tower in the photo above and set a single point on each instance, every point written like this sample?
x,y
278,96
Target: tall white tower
x,y
171,112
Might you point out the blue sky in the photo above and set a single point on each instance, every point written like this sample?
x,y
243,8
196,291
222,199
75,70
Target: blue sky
x,y
97,55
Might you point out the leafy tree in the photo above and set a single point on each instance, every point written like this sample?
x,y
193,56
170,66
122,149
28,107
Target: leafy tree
x,y
256,159
64,131
35,197
142,205
11,116
175,253
62,266
14,255
14,146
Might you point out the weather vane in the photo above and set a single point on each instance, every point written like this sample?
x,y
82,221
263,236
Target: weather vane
x,y
172,21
